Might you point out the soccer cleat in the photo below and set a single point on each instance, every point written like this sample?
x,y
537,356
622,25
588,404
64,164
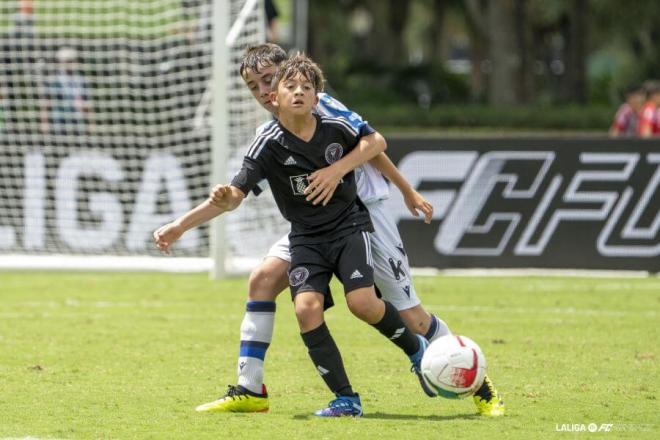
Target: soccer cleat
x,y
342,406
488,400
416,360
238,399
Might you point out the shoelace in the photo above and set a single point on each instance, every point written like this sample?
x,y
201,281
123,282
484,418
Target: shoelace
x,y
340,403
233,392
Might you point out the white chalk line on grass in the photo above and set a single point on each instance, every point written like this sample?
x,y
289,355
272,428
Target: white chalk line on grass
x,y
73,304
28,438
40,315
541,311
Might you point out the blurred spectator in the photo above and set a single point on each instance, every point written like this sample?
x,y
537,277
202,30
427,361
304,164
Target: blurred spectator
x,y
197,20
67,107
19,71
649,123
271,21
24,20
626,119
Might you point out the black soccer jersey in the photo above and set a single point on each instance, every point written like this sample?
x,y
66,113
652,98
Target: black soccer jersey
x,y
286,161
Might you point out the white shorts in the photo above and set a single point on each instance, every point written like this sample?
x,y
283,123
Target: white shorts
x,y
391,268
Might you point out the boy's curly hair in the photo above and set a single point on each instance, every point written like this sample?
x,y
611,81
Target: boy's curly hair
x,y
300,64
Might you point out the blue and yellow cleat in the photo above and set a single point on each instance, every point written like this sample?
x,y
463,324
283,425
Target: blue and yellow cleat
x,y
416,360
238,399
342,406
488,400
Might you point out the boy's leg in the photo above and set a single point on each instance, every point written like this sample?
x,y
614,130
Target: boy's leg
x,y
309,279
364,304
393,278
265,284
394,281
354,267
320,345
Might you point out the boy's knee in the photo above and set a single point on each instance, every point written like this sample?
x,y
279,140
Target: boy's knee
x,y
266,282
364,306
308,312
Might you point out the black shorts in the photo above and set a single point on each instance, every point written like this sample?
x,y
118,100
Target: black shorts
x,y
312,266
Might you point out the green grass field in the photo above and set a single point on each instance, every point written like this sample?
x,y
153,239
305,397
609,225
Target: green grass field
x,y
130,355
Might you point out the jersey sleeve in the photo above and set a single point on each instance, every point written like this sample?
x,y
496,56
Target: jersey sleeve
x,y
646,119
249,176
331,107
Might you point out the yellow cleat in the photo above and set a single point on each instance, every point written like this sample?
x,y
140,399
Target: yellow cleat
x,y
488,400
237,399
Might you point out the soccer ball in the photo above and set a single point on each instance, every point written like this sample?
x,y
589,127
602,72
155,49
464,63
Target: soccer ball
x,y
454,366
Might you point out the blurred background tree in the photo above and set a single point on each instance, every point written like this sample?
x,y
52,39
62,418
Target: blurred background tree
x,y
522,54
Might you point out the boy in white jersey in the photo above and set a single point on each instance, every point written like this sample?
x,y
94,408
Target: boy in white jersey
x,y
391,269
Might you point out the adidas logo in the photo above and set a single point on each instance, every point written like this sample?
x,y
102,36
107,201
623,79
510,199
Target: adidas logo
x,y
398,333
290,161
356,275
322,371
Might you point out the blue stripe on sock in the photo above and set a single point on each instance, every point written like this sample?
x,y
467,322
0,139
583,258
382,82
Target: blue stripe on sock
x,y
432,328
260,306
254,349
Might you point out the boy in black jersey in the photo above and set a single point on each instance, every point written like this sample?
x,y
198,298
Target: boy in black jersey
x,y
324,239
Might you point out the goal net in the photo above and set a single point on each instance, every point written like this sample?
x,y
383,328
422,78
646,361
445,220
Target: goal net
x,y
106,123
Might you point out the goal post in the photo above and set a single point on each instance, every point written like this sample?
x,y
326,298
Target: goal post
x,y
220,132
241,238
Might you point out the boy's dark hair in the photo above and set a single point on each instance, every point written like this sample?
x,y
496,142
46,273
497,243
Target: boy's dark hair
x,y
263,55
651,87
633,89
300,63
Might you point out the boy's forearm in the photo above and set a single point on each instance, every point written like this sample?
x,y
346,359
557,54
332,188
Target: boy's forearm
x,y
206,211
367,148
387,168
200,214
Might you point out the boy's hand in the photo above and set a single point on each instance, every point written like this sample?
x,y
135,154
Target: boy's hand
x,y
219,196
322,184
166,235
414,201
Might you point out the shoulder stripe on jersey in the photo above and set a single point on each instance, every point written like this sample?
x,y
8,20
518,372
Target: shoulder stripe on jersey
x,y
261,140
260,129
340,121
264,133
277,133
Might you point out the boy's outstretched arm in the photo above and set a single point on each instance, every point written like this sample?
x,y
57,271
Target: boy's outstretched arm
x,y
323,182
413,199
225,198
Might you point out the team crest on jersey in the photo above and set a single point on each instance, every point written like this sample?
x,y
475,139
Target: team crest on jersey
x,y
333,152
298,276
299,184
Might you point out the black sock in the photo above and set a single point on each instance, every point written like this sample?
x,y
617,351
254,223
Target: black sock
x,y
392,327
327,360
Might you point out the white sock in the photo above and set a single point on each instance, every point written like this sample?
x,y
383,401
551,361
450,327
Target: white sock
x,y
437,329
256,334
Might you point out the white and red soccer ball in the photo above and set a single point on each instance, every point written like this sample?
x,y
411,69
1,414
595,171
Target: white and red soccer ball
x,y
454,366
